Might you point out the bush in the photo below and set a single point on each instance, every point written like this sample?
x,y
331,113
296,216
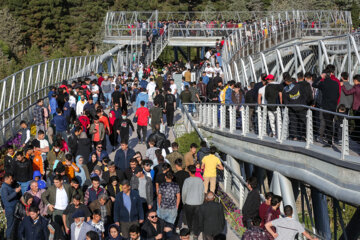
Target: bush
x,y
185,140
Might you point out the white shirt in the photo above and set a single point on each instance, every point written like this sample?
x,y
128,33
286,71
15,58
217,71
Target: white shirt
x,y
151,89
95,88
209,71
218,70
77,231
61,201
208,54
173,88
262,92
80,107
72,102
44,143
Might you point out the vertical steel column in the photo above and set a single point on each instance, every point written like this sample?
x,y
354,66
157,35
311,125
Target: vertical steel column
x,y
209,115
222,117
214,116
345,139
278,124
285,125
309,129
259,118
321,213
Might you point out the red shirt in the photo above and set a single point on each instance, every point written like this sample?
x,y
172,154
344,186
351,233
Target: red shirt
x,y
143,116
338,82
262,212
100,79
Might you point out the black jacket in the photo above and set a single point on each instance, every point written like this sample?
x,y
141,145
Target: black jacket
x,y
37,231
211,218
149,232
251,205
158,137
24,170
330,93
307,91
8,164
84,148
73,144
293,94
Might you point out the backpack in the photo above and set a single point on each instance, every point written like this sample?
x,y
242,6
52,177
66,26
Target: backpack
x,y
223,94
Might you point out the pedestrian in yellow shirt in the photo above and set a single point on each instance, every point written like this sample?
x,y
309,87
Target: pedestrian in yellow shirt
x,y
209,165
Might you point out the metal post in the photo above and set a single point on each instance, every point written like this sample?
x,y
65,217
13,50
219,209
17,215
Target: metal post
x,y
209,115
309,129
278,123
345,139
264,121
285,125
200,113
214,116
259,114
222,117
232,115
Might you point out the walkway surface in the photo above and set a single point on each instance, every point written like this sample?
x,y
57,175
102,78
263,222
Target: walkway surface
x,y
170,134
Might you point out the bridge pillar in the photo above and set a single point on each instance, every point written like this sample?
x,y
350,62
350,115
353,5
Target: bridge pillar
x,y
280,185
321,213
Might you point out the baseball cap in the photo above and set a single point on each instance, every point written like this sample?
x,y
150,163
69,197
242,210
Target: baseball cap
x,y
270,77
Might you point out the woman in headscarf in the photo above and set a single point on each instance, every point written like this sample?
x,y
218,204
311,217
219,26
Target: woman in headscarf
x,y
83,174
113,187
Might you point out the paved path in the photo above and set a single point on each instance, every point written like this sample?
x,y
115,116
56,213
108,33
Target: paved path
x,y
133,140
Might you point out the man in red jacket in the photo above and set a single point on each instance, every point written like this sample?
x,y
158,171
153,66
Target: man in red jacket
x,y
142,114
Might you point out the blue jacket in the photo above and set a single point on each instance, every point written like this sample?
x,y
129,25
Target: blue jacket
x,y
53,105
68,109
143,84
228,94
9,196
120,161
205,79
30,231
50,94
60,123
41,183
142,96
121,214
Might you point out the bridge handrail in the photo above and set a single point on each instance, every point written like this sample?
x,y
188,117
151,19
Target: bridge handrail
x,y
234,117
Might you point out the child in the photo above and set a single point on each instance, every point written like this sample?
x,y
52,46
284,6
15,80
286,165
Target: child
x,y
198,171
97,223
25,133
37,178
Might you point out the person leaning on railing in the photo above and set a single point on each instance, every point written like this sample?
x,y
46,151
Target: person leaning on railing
x,y
288,227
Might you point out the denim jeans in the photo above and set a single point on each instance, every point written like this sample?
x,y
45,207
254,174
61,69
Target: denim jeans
x,y
168,214
107,99
24,186
95,99
9,214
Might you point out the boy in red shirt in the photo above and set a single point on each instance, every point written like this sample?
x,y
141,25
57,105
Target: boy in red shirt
x,y
142,114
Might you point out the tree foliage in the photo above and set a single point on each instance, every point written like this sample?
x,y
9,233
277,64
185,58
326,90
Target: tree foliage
x,y
57,28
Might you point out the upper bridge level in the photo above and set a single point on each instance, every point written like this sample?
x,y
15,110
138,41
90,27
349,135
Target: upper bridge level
x,y
203,28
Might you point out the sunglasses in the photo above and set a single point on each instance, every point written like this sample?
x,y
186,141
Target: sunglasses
x,y
98,147
152,217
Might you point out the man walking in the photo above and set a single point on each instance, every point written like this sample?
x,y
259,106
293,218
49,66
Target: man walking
x,y
210,164
192,198
34,226
123,156
142,114
170,106
211,217
128,209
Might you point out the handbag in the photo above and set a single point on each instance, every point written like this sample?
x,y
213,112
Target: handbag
x,y
135,119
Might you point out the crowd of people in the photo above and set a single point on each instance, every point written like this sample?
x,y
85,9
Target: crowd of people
x,y
62,183
263,220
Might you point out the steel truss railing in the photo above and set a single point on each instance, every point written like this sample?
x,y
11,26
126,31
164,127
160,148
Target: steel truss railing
x,y
310,56
253,121
147,20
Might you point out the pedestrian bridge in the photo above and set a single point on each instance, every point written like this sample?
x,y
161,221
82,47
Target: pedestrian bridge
x,y
274,43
